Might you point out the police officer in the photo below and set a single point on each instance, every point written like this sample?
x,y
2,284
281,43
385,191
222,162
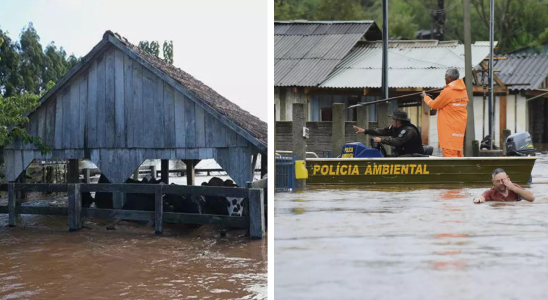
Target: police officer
x,y
402,134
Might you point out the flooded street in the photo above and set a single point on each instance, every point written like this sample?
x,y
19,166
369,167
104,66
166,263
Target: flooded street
x,y
411,242
40,259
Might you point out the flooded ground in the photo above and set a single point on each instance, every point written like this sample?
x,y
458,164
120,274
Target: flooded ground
x,y
418,242
40,259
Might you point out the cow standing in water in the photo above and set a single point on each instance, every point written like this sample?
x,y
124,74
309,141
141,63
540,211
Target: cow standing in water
x,y
225,206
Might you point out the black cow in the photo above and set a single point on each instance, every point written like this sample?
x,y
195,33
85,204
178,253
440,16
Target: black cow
x,y
134,201
191,204
225,206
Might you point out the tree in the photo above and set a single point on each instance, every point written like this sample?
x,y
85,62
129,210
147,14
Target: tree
x,y
518,23
55,64
13,120
339,10
10,78
153,48
32,59
168,52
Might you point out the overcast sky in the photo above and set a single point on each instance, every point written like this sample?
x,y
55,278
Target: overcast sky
x,y
222,43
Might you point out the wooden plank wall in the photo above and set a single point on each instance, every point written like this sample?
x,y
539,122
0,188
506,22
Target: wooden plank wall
x,y
236,162
117,104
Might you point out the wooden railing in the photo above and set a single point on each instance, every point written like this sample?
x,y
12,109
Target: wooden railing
x,y
253,218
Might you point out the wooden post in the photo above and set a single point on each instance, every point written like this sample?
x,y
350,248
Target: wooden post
x,y
337,131
502,121
75,206
165,171
256,214
136,174
264,165
299,142
118,200
362,121
153,171
425,123
190,171
20,195
11,204
253,164
86,175
73,171
159,209
475,148
505,134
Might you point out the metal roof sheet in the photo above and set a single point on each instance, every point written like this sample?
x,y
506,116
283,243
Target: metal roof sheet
x,y
411,64
532,69
302,47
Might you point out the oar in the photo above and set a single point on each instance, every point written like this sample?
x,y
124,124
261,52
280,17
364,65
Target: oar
x,y
388,99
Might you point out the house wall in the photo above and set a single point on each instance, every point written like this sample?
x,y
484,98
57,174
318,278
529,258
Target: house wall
x,y
284,97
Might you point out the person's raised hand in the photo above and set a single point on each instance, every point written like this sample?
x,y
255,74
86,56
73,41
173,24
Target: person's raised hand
x,y
508,183
358,129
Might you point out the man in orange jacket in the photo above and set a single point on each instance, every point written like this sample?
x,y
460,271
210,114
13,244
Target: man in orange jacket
x,y
452,115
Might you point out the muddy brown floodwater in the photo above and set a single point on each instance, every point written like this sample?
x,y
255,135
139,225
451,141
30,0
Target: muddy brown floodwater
x,y
415,242
40,259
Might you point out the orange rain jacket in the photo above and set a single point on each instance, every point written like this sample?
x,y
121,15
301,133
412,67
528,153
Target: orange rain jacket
x,y
452,115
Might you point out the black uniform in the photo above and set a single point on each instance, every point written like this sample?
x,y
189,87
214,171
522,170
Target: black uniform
x,y
406,138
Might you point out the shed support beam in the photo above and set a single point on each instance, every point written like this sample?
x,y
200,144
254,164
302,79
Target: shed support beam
x,y
165,171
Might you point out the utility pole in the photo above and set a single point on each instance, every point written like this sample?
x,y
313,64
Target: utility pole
x,y
438,17
470,128
491,99
383,109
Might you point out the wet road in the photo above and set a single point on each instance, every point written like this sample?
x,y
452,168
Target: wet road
x,y
418,242
40,259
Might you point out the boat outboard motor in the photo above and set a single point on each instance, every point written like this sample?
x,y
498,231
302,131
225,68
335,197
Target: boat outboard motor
x,y
520,144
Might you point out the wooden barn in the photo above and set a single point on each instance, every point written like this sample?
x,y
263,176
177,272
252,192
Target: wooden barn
x,y
120,106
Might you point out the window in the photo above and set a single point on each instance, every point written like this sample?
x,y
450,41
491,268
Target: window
x,y
327,114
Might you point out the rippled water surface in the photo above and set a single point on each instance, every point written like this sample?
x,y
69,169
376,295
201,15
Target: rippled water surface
x,y
40,259
418,242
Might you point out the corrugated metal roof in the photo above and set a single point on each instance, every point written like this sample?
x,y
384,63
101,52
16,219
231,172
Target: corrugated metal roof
x,y
411,64
532,69
306,52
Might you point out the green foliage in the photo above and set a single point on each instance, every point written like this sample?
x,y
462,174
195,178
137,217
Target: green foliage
x,y
330,10
13,120
10,78
32,58
26,73
518,23
168,52
153,48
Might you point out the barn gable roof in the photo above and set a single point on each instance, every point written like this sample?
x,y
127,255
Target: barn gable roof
x,y
250,127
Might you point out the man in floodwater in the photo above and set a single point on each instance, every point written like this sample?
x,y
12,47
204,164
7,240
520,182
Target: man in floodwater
x,y
452,116
402,134
504,190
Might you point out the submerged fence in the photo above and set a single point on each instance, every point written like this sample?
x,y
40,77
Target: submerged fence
x,y
253,218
